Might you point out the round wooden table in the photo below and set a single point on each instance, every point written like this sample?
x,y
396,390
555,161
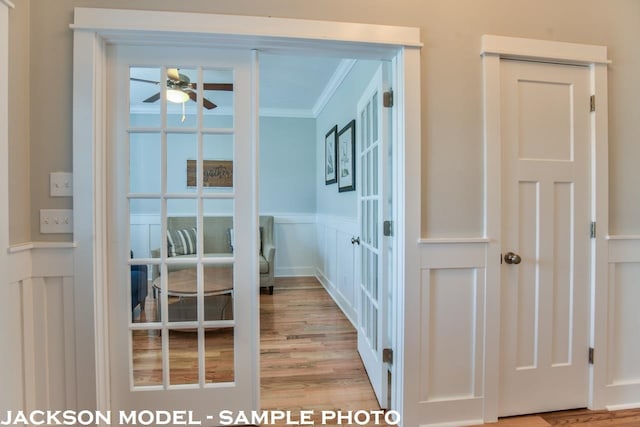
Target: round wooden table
x,y
183,284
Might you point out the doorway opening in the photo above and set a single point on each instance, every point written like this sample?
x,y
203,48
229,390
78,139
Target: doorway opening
x,y
316,226
95,30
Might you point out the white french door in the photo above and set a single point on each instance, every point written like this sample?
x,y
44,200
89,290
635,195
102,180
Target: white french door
x,y
545,117
374,207
183,321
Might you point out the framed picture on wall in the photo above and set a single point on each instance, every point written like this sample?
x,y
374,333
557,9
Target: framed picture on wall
x,y
216,173
347,157
330,152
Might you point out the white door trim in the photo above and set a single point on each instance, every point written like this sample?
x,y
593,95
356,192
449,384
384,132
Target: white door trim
x,y
495,48
94,28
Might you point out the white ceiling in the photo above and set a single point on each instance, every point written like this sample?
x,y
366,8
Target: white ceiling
x,y
296,86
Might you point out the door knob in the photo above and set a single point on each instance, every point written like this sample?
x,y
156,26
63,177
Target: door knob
x,y
355,240
511,258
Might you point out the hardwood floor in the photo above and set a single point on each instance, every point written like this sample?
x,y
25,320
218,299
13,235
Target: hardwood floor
x,y
309,358
577,417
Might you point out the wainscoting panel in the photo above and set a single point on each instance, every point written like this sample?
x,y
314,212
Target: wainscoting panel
x,y
451,300
295,240
623,352
451,333
11,355
44,334
335,265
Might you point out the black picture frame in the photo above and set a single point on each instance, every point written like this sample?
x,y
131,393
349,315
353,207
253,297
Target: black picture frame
x,y
347,157
330,154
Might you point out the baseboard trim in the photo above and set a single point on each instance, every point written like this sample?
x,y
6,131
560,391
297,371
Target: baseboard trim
x,y
295,271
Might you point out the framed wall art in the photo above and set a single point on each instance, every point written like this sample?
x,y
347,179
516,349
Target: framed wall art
x,y
330,152
347,157
216,173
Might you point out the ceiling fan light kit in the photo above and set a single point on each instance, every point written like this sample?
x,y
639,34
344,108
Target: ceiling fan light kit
x,y
177,96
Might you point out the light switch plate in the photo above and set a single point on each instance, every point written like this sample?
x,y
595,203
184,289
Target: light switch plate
x,y
56,221
61,184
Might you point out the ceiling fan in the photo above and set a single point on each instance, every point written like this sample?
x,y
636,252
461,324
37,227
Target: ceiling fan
x,y
180,89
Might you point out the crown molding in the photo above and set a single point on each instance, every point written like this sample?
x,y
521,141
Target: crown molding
x,y
342,70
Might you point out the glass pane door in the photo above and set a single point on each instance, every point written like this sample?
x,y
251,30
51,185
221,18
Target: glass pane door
x,y
373,249
181,167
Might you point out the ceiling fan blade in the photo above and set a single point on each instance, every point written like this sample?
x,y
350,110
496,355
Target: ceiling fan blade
x,y
208,104
133,79
228,87
153,98
205,102
173,74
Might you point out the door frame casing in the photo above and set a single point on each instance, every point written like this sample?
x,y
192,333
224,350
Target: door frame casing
x,y
95,28
494,49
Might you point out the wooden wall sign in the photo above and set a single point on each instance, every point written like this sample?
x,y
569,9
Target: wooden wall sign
x,y
216,173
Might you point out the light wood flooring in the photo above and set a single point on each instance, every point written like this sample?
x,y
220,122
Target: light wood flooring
x,y
577,417
309,360
309,357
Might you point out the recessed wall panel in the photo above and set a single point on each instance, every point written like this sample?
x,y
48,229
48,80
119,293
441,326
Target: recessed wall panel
x,y
449,316
625,315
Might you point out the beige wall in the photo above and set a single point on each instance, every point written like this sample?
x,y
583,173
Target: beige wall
x,y
451,91
19,164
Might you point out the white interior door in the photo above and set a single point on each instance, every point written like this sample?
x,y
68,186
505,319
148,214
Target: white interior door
x,y
372,256
545,111
182,174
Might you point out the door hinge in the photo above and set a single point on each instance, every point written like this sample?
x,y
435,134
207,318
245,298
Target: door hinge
x,y
387,228
591,351
387,99
387,355
593,229
592,103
